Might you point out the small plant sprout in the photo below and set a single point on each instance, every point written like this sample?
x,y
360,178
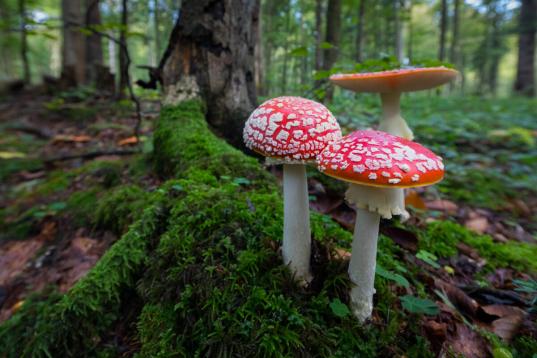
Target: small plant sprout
x,y
377,165
390,85
292,131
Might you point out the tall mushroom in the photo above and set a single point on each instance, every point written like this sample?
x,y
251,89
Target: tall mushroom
x,y
377,165
293,131
390,85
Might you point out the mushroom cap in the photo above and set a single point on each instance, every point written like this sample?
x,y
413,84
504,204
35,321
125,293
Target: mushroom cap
x,y
380,159
401,80
291,129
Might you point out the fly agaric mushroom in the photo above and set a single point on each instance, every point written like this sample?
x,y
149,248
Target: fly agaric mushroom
x,y
377,165
292,131
390,85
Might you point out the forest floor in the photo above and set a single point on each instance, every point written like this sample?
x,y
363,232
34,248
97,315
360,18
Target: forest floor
x,y
467,262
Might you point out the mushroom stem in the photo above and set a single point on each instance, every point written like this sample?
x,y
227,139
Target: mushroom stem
x,y
363,262
296,223
391,121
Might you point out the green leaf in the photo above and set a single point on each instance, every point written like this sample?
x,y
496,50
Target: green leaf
x,y
339,308
57,206
392,276
326,45
501,353
299,52
419,305
428,258
241,181
321,75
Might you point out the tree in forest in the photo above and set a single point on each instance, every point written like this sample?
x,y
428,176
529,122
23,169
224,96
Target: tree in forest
x,y
73,49
360,35
24,42
443,30
123,55
94,51
332,37
525,76
210,55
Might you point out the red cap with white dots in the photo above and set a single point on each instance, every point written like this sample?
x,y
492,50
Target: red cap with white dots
x,y
380,159
291,129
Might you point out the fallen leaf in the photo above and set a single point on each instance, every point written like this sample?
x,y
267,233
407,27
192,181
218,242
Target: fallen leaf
x,y
479,224
128,141
458,297
413,199
446,206
510,320
71,138
341,254
12,155
404,238
467,343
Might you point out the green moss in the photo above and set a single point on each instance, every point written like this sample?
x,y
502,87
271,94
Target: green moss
x,y
12,166
72,325
81,206
183,142
120,207
441,238
524,346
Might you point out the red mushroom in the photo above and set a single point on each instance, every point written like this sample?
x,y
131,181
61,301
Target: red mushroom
x,y
293,131
390,85
377,165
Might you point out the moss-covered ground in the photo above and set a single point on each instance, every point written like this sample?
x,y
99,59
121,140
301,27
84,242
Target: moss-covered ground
x,y
197,271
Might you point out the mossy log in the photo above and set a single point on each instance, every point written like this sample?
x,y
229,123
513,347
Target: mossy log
x,y
198,272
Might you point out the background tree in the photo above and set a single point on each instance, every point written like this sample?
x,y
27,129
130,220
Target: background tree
x,y
211,55
332,38
525,76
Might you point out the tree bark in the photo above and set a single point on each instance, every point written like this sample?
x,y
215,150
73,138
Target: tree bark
x,y
94,49
443,30
211,56
123,70
333,37
156,29
24,43
73,51
398,8
318,34
360,32
525,76
454,57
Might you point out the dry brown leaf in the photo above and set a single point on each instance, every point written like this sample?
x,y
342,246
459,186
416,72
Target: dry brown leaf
x,y
446,206
341,254
413,199
467,342
404,238
479,224
71,138
510,320
128,141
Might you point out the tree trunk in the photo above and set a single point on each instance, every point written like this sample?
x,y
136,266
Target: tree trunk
x,y
333,37
123,70
410,36
496,52
286,47
443,30
73,51
259,58
360,32
454,50
525,76
211,55
156,29
24,43
318,34
398,9
94,49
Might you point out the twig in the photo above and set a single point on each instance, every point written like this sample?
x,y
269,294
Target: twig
x,y
89,155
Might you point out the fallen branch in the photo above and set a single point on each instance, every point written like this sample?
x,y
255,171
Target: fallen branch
x,y
89,155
